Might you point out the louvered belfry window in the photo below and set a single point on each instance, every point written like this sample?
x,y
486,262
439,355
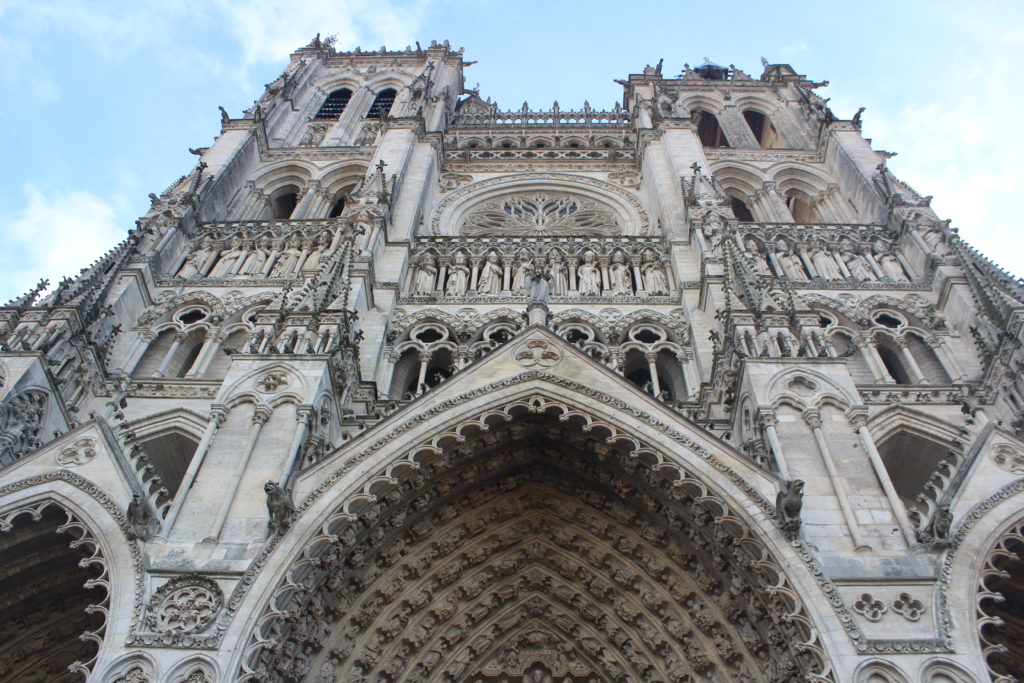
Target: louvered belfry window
x,y
334,104
382,104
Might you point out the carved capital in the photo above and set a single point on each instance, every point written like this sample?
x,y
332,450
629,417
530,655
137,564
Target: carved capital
x,y
813,418
261,414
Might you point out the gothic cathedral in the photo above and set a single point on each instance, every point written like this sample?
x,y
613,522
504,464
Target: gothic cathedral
x,y
398,385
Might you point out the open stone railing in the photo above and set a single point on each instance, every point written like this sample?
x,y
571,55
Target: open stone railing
x,y
553,118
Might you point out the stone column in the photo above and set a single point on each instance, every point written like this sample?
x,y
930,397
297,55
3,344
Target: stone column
x,y
859,421
653,369
777,204
946,358
474,272
874,361
218,413
768,421
424,357
911,362
640,290
210,348
813,419
260,416
179,338
302,414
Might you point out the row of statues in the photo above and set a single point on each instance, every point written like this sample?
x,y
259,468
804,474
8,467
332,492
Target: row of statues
x,y
819,261
261,258
588,276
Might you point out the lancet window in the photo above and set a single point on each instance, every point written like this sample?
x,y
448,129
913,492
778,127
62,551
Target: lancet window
x,y
763,130
283,202
334,105
740,210
800,206
381,106
708,129
187,345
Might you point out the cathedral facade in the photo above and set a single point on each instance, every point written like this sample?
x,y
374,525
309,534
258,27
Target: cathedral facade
x,y
399,385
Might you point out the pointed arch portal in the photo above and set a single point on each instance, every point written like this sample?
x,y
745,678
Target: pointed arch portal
x,y
534,540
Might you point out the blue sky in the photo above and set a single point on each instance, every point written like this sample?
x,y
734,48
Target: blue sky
x,y
104,98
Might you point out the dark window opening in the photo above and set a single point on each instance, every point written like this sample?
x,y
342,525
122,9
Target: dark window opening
x,y
887,320
283,205
334,105
762,128
429,336
799,205
741,210
708,130
190,359
893,365
337,208
191,317
381,106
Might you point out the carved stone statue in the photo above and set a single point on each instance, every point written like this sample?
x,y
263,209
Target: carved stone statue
x,y
788,503
655,282
257,258
288,260
539,288
935,239
523,275
489,282
426,275
938,529
891,266
228,258
618,275
195,264
590,277
279,505
458,276
312,262
756,259
790,262
557,272
713,236
20,421
823,262
142,523
859,269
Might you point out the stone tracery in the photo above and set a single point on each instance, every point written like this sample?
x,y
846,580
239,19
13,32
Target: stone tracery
x,y
549,214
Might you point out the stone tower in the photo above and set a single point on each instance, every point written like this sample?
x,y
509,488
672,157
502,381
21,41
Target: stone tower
x,y
398,385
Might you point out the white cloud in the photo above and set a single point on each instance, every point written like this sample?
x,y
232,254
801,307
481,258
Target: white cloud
x,y
268,29
958,141
55,235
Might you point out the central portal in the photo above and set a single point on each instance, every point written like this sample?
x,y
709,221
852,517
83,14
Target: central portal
x,y
534,544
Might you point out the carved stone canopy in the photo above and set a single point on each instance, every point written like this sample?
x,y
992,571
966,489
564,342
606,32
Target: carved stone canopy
x,y
541,213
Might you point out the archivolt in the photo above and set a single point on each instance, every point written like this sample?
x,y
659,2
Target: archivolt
x,y
17,648
528,532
